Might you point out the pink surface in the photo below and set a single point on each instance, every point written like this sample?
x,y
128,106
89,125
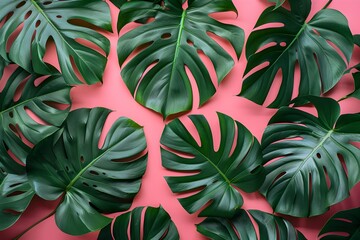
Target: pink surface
x,y
114,95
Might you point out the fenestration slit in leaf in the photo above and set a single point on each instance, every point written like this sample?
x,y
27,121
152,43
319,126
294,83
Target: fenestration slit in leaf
x,y
166,87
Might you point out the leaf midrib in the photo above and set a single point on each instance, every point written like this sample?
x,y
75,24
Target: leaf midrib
x,y
40,10
177,46
302,29
326,137
69,186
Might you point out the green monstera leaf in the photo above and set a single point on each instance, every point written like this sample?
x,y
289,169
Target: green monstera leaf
x,y
307,43
241,227
31,108
212,176
58,20
157,225
343,225
15,195
311,162
156,75
90,180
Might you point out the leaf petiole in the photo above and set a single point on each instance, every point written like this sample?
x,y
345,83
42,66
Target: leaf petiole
x,y
39,221
327,4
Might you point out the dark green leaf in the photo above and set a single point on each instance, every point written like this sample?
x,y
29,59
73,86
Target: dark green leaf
x,y
212,176
156,224
15,195
311,162
24,96
343,225
170,43
241,227
92,180
44,20
308,44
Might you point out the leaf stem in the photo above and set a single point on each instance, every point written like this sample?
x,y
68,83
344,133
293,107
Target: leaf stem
x,y
327,4
38,222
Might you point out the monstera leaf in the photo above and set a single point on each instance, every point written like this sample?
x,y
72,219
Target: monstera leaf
x,y
15,195
343,225
24,96
241,227
157,225
90,180
44,20
307,43
310,162
156,75
212,176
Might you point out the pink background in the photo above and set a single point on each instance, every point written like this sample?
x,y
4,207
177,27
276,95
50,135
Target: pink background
x,y
114,95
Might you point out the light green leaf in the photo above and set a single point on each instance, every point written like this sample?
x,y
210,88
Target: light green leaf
x,y
15,195
311,162
212,176
90,180
156,74
29,112
241,227
156,225
60,21
309,44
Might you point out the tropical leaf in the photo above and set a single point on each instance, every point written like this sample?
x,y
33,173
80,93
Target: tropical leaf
x,y
356,74
343,225
58,20
311,162
277,2
156,75
29,112
307,43
90,180
212,176
156,224
242,227
15,195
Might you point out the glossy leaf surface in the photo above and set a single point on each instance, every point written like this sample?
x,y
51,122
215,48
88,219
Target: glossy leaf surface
x,y
41,21
15,195
311,162
31,108
312,45
90,179
344,225
241,227
212,176
156,75
156,224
